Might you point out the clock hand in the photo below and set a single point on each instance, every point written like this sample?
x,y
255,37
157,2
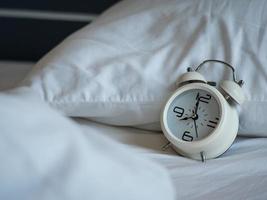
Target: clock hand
x,y
194,116
186,118
195,128
196,106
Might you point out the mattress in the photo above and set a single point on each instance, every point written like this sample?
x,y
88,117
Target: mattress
x,y
240,173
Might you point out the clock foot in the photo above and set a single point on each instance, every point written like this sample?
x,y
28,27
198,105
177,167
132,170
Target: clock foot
x,y
166,146
203,157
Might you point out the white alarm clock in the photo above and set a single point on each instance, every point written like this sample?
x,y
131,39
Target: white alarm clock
x,y
199,120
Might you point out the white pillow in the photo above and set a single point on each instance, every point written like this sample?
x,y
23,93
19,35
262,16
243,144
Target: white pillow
x,y
121,68
46,156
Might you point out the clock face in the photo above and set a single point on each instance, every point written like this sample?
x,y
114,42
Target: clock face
x,y
193,115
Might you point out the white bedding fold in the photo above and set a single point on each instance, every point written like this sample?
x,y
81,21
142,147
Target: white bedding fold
x,y
46,156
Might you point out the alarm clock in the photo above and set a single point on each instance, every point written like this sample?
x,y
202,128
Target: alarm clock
x,y
199,120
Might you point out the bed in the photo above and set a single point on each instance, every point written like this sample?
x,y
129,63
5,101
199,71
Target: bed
x,y
240,173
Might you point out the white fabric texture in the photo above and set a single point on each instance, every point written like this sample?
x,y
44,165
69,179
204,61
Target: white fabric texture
x,y
121,68
46,156
240,173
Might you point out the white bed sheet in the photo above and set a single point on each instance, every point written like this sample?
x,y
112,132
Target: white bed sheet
x,y
241,173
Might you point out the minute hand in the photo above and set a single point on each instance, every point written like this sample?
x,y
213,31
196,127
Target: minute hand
x,y
196,116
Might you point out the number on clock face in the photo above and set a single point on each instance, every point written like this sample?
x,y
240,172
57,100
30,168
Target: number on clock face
x,y
204,99
179,111
193,115
187,137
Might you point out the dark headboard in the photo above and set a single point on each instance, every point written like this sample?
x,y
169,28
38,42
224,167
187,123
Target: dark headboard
x,y
30,28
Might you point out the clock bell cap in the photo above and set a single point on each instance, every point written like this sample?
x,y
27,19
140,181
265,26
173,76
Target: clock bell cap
x,y
190,77
232,89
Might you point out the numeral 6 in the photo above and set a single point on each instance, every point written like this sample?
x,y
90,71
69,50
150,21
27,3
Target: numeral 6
x,y
187,137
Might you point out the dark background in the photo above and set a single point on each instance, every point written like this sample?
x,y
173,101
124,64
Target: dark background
x,y
26,39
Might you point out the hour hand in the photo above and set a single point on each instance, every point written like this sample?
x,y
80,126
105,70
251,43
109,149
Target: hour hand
x,y
186,118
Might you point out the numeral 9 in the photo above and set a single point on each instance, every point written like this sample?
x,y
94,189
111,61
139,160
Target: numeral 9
x,y
179,111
